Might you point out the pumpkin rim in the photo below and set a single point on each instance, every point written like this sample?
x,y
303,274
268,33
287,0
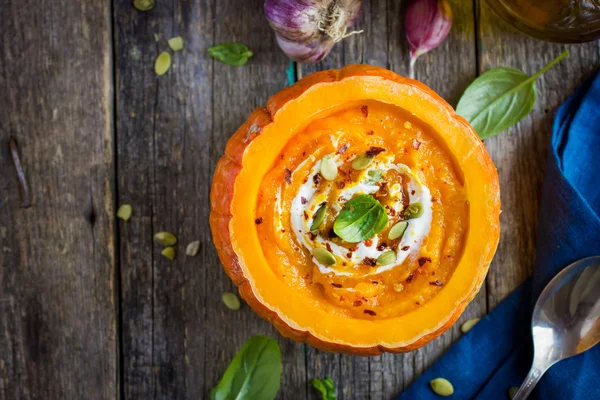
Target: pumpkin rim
x,y
230,168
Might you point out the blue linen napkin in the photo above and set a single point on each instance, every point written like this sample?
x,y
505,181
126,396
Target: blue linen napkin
x,y
497,353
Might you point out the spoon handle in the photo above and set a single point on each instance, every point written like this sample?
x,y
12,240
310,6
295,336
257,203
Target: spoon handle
x,y
533,377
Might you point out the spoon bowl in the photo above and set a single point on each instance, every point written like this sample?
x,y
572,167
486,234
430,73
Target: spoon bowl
x,y
565,320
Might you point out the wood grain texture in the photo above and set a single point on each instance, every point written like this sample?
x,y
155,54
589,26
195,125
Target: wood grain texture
x,y
58,333
520,153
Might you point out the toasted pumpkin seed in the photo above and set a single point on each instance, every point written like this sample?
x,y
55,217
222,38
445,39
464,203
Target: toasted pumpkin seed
x,y
162,63
124,212
231,301
386,258
165,238
168,252
143,5
442,387
328,168
361,162
323,256
466,327
397,230
193,248
398,287
512,391
318,218
176,43
414,210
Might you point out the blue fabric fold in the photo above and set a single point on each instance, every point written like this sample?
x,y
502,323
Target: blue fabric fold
x,y
496,354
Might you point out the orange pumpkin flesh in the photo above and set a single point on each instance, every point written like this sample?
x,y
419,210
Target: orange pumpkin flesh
x,y
270,157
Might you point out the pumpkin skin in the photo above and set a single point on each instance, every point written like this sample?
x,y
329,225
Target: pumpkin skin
x,y
252,151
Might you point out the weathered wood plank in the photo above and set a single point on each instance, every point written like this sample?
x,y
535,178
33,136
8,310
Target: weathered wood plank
x,y
58,332
178,335
520,153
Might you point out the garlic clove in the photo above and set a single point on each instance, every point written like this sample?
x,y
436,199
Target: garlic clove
x,y
426,25
306,31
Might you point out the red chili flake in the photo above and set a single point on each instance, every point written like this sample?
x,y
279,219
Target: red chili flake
x,y
337,285
288,176
343,149
416,144
373,151
368,242
405,248
381,246
341,298
258,221
353,249
423,260
372,313
303,200
340,184
305,216
365,111
410,278
316,179
328,247
351,208
371,262
413,192
436,283
306,276
434,199
312,236
375,283
357,303
282,156
303,153
391,211
283,231
370,133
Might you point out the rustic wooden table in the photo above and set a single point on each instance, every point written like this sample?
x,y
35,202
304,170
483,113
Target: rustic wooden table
x,y
88,307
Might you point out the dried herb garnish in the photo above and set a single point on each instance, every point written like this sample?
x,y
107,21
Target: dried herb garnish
x,y
373,151
303,200
436,283
423,260
365,111
288,176
410,278
370,312
405,248
316,179
258,221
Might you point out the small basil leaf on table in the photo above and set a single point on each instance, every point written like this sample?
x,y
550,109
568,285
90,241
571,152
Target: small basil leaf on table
x,y
362,218
235,54
500,98
254,372
326,387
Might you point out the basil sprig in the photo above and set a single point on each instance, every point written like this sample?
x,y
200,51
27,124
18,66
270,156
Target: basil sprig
x,y
500,98
254,372
326,387
235,54
362,218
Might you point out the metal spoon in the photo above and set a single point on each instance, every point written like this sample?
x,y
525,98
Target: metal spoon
x,y
566,319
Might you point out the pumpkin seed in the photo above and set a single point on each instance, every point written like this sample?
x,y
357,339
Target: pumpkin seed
x,y
512,391
414,210
323,256
176,43
362,162
162,63
318,218
124,212
397,230
386,258
442,387
328,167
143,5
398,287
231,301
165,238
466,327
169,253
193,248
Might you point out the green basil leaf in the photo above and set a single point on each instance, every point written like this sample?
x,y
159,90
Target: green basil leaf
x,y
235,54
254,372
326,387
500,98
362,218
